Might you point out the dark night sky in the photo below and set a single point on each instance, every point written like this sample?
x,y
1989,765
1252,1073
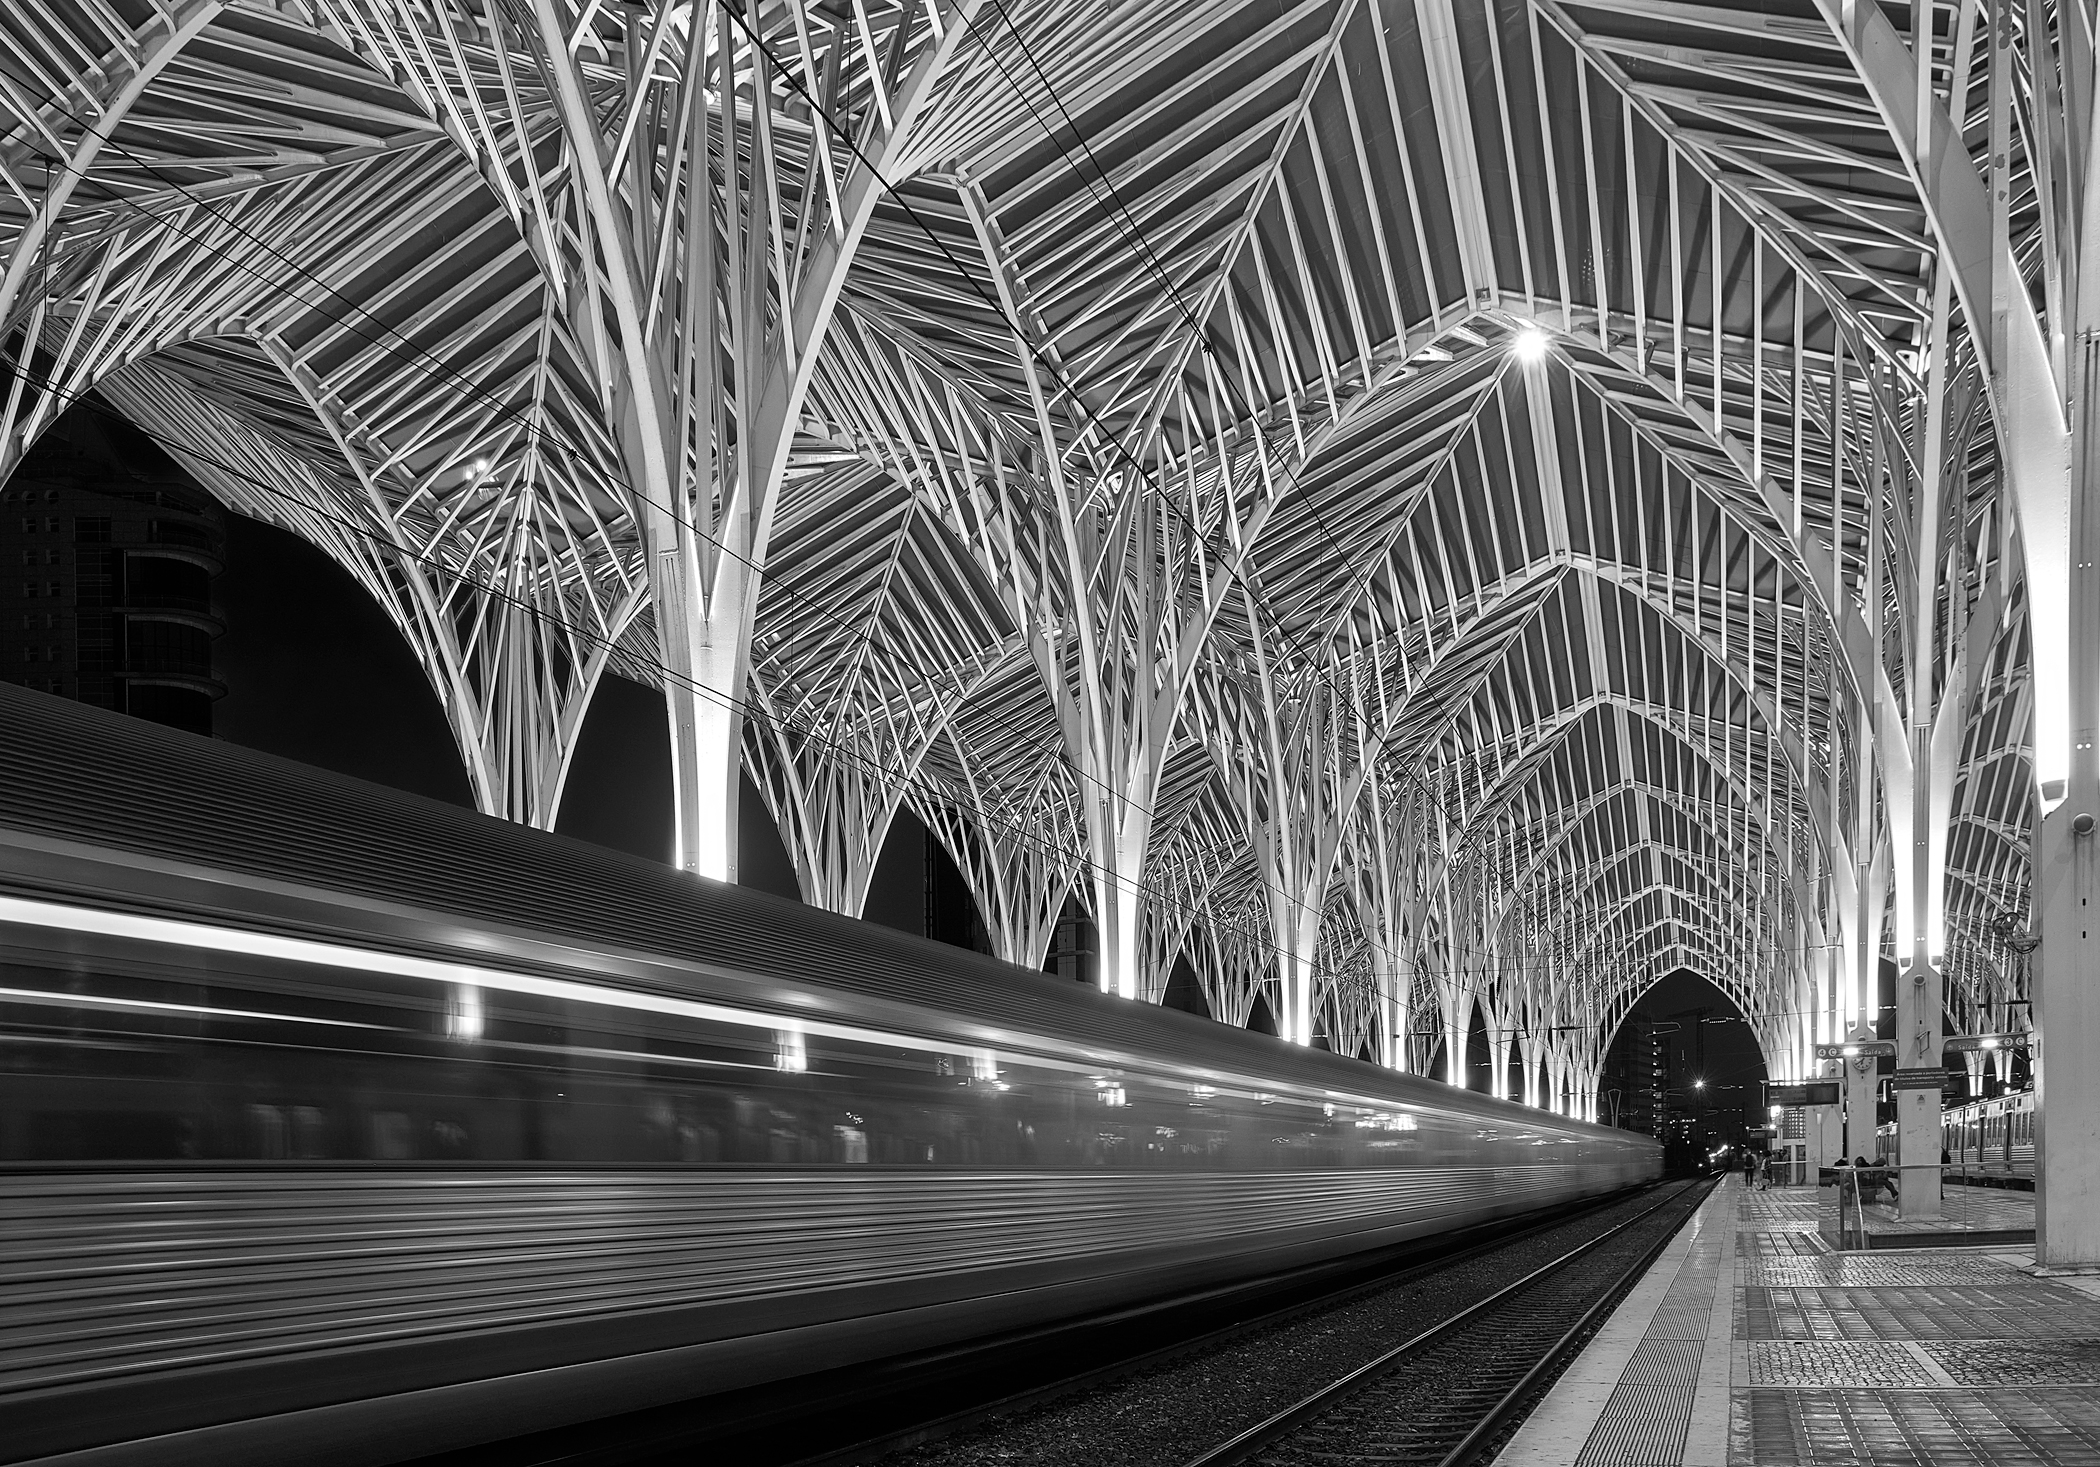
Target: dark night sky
x,y
316,672
1732,1055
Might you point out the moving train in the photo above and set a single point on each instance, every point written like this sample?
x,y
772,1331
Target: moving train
x,y
344,1125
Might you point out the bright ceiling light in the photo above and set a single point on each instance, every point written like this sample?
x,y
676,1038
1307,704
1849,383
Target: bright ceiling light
x,y
1530,344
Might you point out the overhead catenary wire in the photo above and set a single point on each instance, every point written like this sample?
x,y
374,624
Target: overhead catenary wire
x,y
864,634
764,720
1055,372
1131,231
1018,830
537,425
1253,937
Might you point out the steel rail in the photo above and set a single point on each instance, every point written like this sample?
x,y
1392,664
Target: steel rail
x,y
1265,1434
1399,1275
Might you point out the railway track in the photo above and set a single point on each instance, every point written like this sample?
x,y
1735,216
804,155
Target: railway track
x,y
1421,1261
1445,1397
827,1425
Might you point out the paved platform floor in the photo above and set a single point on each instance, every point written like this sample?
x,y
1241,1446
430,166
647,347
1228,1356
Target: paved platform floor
x,y
1752,1344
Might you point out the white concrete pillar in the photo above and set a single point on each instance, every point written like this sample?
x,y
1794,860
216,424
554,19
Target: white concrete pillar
x,y
1861,1084
2065,1048
1826,1123
1919,1070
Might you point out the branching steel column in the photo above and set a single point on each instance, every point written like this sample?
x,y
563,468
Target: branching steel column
x,y
706,455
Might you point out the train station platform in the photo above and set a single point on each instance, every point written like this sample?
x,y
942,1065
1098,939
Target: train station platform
x,y
1753,1343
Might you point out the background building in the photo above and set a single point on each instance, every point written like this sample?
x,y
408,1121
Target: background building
x,y
106,570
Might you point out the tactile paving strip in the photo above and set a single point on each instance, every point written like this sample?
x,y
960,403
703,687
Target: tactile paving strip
x,y
1897,1428
1642,1426
1671,1364
1648,1417
1836,1363
2016,1362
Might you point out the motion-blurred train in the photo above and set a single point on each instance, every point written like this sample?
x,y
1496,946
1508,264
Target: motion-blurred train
x,y
340,1124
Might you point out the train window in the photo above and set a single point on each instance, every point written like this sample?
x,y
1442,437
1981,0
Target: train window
x,y
168,1055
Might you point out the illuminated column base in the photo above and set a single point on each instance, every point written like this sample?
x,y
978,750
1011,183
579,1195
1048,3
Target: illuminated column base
x,y
1297,998
704,663
1120,956
706,764
1119,869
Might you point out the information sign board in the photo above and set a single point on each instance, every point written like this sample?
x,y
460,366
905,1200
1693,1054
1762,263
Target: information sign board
x,y
1816,1092
1854,1049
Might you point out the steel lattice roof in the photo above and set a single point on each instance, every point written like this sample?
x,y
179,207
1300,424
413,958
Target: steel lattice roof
x,y
1166,438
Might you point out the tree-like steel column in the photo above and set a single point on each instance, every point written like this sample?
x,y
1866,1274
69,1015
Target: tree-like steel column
x,y
709,238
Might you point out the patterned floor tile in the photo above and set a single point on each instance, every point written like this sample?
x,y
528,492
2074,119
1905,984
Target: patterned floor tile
x,y
1836,1363
1939,1313
2019,1362
1896,1428
1877,1271
1777,1243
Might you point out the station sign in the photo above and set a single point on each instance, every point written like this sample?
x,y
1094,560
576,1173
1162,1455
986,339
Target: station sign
x,y
1857,1049
1970,1043
1816,1092
1921,1079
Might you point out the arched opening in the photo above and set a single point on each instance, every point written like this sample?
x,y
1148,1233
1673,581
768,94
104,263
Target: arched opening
x,y
1185,989
917,888
1480,1058
315,671
1686,1068
1075,944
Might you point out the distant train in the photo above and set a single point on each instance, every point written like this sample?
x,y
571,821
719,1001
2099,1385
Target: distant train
x,y
335,1117
1990,1138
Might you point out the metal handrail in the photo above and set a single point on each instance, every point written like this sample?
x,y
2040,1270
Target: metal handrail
x,y
1855,1235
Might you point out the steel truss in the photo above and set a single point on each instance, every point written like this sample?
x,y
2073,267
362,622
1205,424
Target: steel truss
x,y
1421,510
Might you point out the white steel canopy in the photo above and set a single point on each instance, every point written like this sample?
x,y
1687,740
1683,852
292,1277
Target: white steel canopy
x,y
1427,508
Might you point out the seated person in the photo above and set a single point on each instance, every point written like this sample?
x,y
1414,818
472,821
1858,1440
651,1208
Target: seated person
x,y
1871,1178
